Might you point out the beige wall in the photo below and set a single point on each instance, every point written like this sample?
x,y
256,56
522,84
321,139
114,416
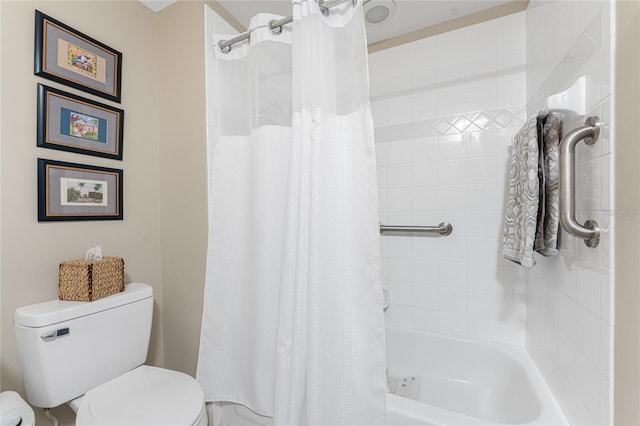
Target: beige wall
x,y
165,199
31,251
627,210
183,180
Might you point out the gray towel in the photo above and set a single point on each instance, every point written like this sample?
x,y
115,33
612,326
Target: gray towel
x,y
547,242
532,214
521,215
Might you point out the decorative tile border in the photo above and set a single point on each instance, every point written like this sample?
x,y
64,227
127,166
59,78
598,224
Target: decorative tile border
x,y
455,124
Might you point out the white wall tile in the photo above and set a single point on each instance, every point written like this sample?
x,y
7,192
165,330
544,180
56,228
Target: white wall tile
x,y
606,352
425,297
607,295
482,170
484,303
399,199
399,270
451,101
606,402
452,274
566,39
424,248
398,176
402,293
567,358
424,271
452,172
424,174
399,315
448,87
452,300
383,176
398,246
451,48
588,385
482,143
482,96
424,319
511,90
423,150
399,152
568,278
483,328
398,217
453,323
483,197
424,54
424,103
481,41
510,32
588,330
424,198
567,317
511,332
381,153
452,197
451,147
588,286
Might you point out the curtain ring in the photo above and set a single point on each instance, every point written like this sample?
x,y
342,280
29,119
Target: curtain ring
x,y
272,28
323,9
223,48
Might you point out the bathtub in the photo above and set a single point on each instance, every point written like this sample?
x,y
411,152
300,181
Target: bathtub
x,y
462,382
466,382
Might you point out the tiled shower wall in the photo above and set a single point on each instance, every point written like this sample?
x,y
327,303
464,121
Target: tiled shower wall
x,y
570,297
445,109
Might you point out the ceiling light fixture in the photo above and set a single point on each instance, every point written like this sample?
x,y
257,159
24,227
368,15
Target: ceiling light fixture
x,y
379,11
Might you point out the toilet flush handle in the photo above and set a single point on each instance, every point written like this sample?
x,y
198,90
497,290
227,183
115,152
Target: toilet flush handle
x,y
47,337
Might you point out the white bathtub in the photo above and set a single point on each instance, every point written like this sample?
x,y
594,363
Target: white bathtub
x,y
462,382
465,382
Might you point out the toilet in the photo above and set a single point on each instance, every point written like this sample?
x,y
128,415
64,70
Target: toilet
x,y
90,355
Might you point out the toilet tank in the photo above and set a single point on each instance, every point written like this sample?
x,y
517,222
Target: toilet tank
x,y
67,348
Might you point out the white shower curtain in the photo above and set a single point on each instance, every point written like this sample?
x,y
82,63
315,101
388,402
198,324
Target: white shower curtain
x,y
293,323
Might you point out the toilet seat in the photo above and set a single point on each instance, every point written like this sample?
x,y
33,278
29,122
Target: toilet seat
x,y
145,396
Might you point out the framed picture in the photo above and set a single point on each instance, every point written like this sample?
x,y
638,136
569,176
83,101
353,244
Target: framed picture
x,y
71,123
67,56
68,191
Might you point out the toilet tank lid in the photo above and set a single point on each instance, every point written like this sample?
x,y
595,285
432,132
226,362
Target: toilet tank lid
x,y
55,311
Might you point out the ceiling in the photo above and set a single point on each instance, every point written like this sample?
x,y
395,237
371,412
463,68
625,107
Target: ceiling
x,y
410,15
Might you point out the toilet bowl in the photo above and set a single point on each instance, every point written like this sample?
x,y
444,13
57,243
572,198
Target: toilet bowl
x,y
145,396
90,355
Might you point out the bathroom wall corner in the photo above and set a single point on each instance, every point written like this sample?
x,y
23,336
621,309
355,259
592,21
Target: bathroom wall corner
x,y
31,251
627,213
183,212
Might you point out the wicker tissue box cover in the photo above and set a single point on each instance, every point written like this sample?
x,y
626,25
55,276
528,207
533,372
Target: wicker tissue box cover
x,y
88,280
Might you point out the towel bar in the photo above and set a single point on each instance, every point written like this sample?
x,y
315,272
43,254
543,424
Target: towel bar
x,y
589,133
443,229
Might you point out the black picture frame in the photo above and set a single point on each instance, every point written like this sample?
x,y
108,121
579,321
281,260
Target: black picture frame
x,y
71,123
70,57
62,195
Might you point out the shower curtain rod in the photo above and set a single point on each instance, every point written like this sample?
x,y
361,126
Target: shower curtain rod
x,y
275,26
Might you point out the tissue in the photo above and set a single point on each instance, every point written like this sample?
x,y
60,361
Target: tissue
x,y
14,410
94,253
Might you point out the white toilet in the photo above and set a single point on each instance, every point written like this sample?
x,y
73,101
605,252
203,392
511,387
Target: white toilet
x,y
90,355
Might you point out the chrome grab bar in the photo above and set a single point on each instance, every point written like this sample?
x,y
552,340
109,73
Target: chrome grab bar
x,y
443,229
589,133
